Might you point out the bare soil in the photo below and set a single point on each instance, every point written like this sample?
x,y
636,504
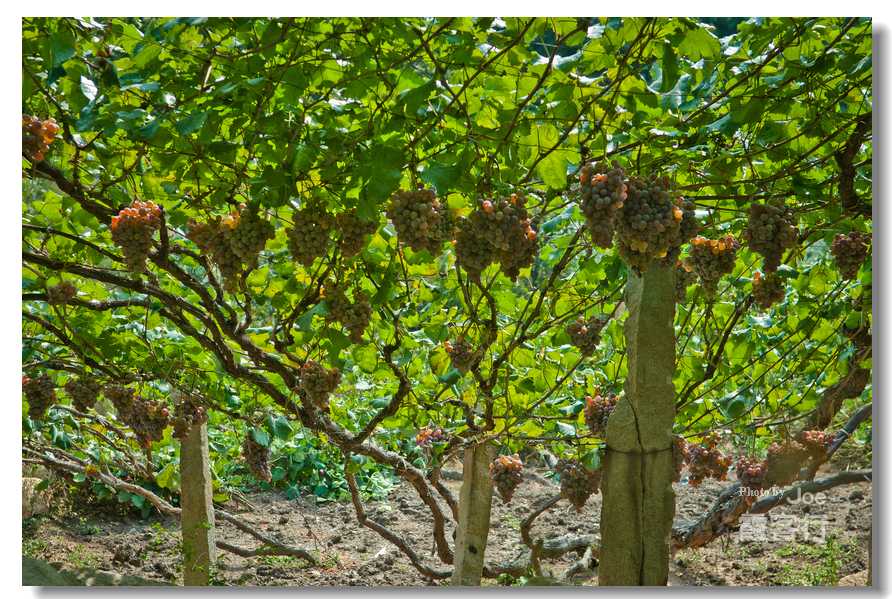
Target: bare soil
x,y
351,555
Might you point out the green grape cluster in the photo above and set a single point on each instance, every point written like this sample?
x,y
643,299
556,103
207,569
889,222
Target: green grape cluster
x,y
704,460
41,394
497,231
585,334
309,236
427,436
684,278
771,229
506,472
768,290
257,458
816,442
783,462
597,411
602,193
249,235
187,414
850,251
461,353
318,382
711,259
232,242
37,135
147,418
132,229
653,223
750,473
353,232
578,483
61,294
83,391
421,221
354,315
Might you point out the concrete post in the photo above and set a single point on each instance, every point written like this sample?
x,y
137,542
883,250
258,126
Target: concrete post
x,y
197,503
475,502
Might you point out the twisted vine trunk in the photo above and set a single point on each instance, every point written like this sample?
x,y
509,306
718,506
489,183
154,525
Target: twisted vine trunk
x,y
638,501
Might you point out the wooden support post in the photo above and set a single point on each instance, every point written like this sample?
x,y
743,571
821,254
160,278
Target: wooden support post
x,y
197,503
638,503
474,507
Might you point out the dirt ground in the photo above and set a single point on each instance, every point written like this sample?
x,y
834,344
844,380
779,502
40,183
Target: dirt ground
x,y
356,556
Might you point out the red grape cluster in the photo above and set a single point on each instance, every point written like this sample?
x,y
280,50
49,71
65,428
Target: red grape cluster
x,y
420,219
816,442
61,294
711,259
37,135
653,224
132,230
83,391
578,483
187,414
257,458
353,231
318,382
585,334
603,191
768,290
784,462
147,418
684,277
427,436
497,231
308,238
770,230
506,472
704,460
850,251
41,394
597,411
461,354
750,473
353,316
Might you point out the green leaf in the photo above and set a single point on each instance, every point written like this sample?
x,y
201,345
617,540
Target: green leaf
x,y
88,88
191,123
260,436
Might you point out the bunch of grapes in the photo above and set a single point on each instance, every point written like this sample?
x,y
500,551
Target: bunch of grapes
x,y
770,230
427,436
318,382
497,231
41,394
750,473
704,460
461,354
420,220
257,458
506,472
602,193
711,259
653,224
353,316
212,238
768,290
121,398
187,414
684,277
586,334
147,418
37,135
816,442
353,232
679,453
62,293
578,483
248,235
83,391
132,230
597,411
783,462
850,251
308,238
